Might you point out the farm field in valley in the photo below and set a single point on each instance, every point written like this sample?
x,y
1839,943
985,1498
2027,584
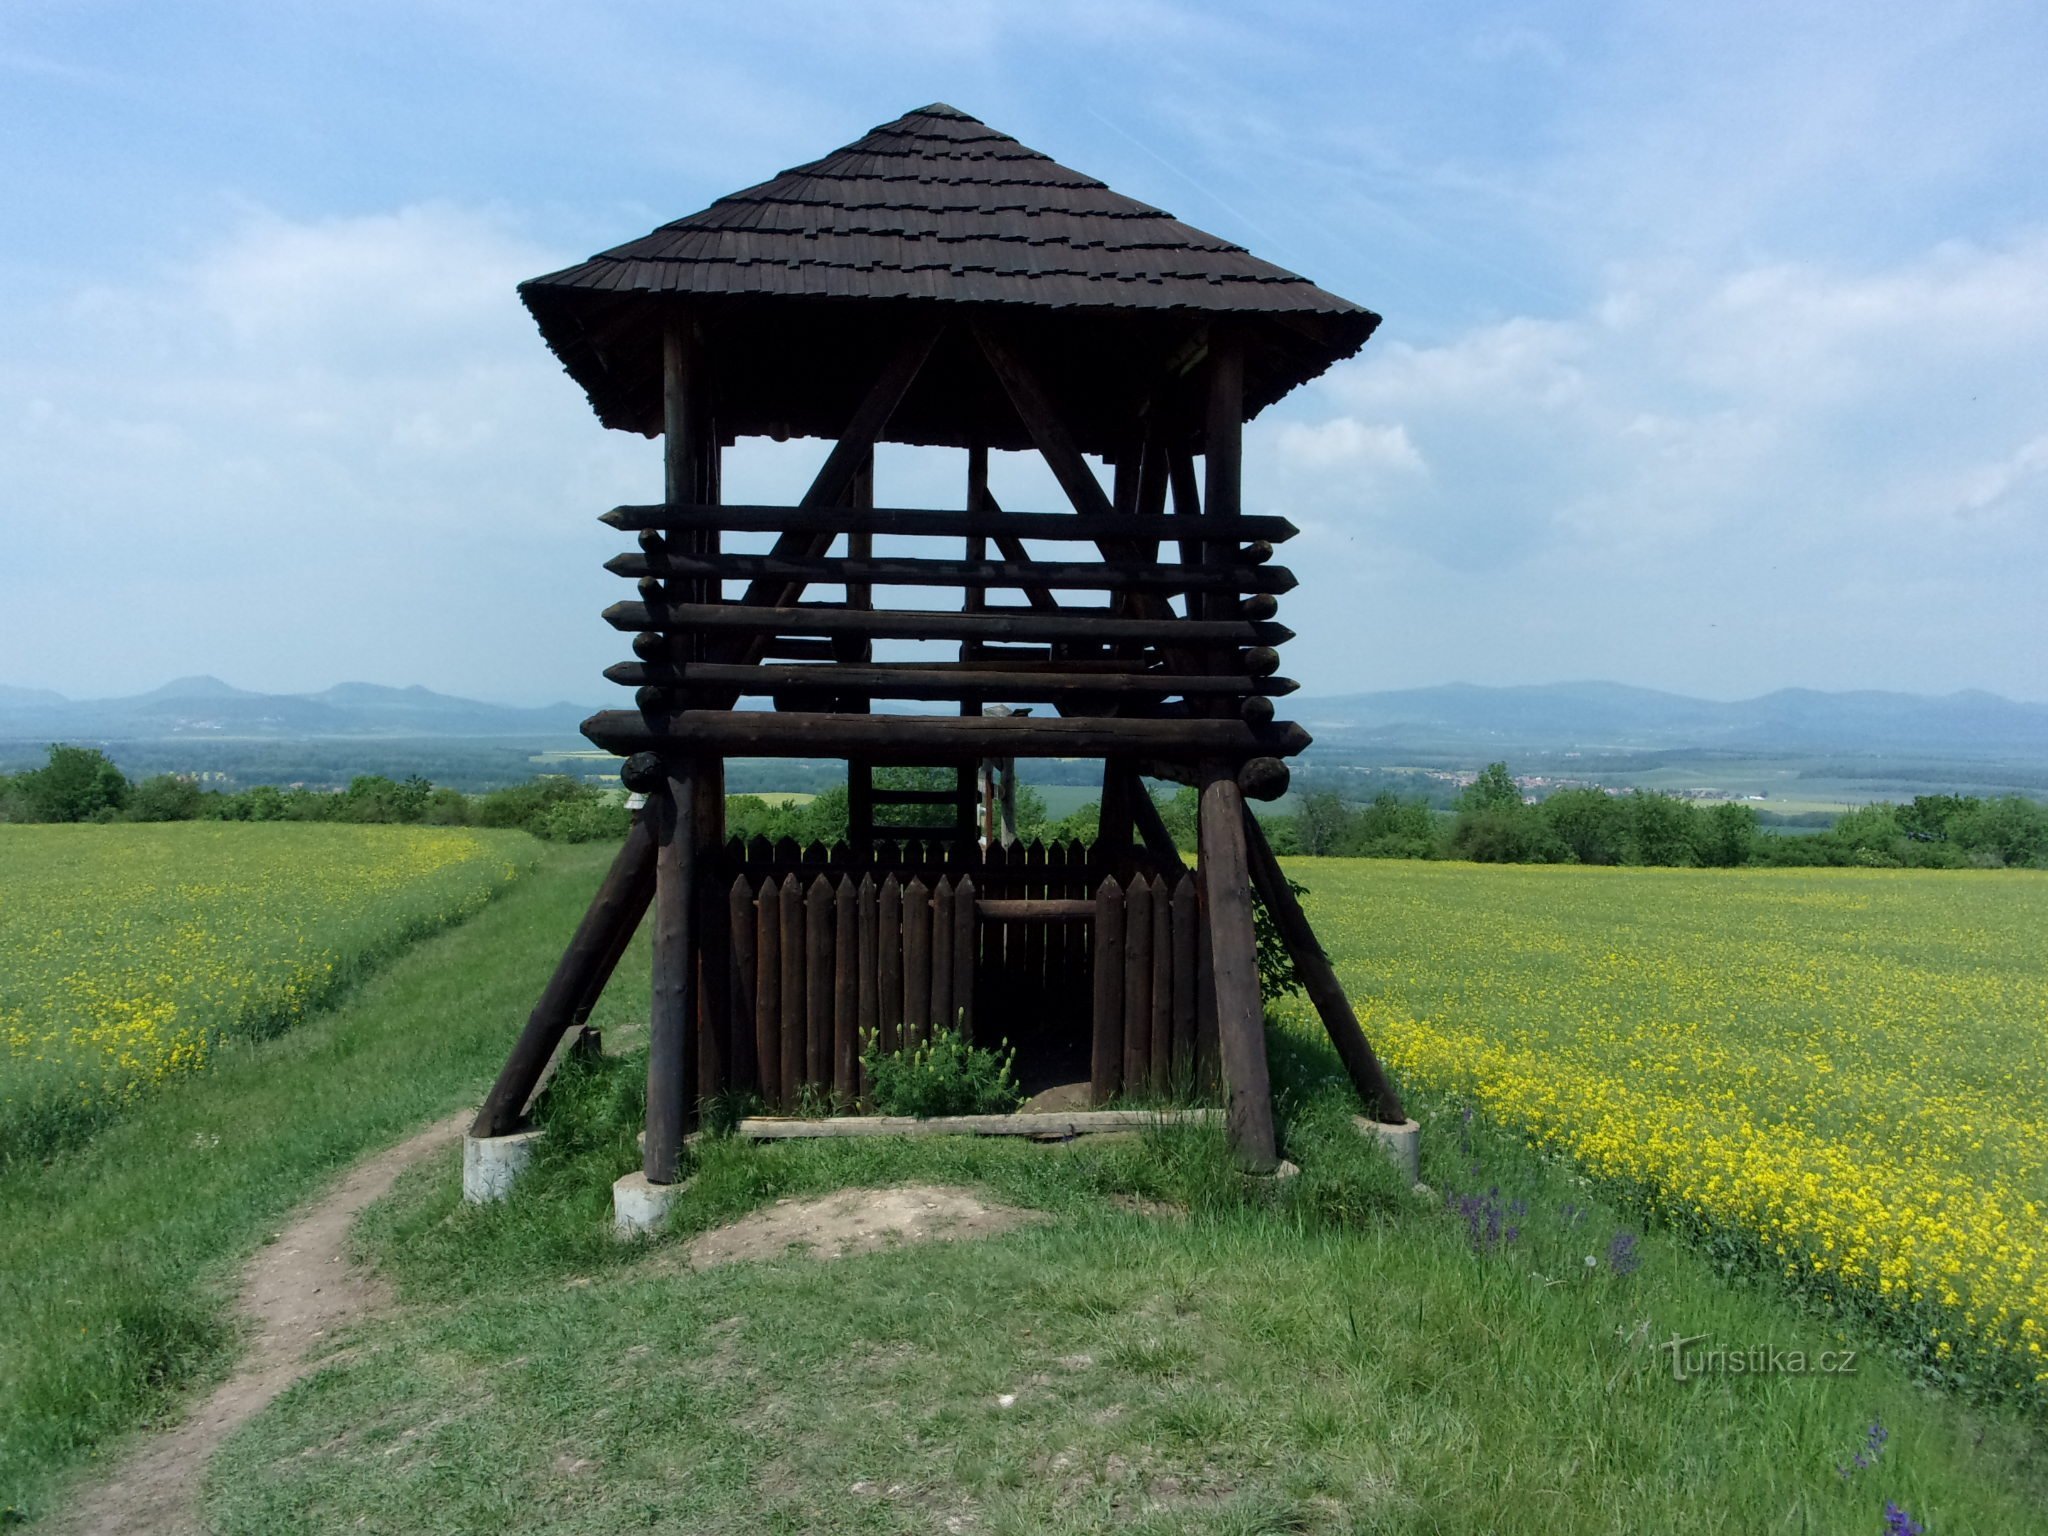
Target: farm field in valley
x,y
1843,1073
129,954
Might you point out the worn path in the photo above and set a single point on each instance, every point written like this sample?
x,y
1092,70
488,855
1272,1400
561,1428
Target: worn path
x,y
296,1291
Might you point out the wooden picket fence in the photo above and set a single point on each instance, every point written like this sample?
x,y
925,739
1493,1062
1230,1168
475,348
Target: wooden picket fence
x,y
822,961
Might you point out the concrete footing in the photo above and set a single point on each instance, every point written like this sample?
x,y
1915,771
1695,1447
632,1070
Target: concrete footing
x,y
491,1165
640,1207
1403,1143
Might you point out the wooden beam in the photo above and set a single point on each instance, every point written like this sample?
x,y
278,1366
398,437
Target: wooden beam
x,y
1319,978
1234,966
580,974
1018,569
927,738
939,523
1151,826
671,1064
889,680
942,624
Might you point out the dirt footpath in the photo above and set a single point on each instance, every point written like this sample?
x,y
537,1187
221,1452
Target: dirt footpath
x,y
295,1291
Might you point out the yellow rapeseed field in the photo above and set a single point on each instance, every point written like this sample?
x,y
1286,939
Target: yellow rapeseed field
x,y
128,953
1849,1067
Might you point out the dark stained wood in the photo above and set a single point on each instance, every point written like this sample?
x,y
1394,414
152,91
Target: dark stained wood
x,y
1001,625
845,990
1319,979
889,992
819,933
1004,909
712,932
1106,1054
768,991
1186,919
1150,825
1263,778
1019,570
1049,682
867,981
742,995
1161,990
1208,1067
917,963
914,522
1233,958
793,1053
580,974
1137,1030
938,738
942,956
965,919
671,1052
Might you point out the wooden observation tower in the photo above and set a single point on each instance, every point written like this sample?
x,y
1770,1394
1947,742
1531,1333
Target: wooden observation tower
x,y
937,283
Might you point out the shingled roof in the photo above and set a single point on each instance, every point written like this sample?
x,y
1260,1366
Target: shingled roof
x,y
935,207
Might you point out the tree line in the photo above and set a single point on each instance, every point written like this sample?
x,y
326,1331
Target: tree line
x,y
1490,821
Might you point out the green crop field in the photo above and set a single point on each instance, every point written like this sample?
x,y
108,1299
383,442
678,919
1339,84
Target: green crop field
x,y
1845,1071
129,954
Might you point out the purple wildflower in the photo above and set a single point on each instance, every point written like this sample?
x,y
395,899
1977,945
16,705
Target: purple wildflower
x,y
1898,1523
1622,1257
1490,1222
1873,1447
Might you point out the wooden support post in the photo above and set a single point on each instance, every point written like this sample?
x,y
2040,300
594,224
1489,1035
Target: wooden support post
x,y
819,933
942,955
1106,1054
1234,963
889,988
1151,825
917,964
1319,977
1115,827
1185,945
1222,457
579,977
672,1013
1162,987
743,979
866,1011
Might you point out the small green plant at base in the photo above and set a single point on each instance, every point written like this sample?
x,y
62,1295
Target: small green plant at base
x,y
1276,965
944,1076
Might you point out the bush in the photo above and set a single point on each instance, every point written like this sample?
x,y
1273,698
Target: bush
x,y
597,819
944,1076
76,784
1276,965
165,798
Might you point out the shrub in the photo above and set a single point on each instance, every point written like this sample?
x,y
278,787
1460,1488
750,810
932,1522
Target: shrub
x,y
944,1076
76,784
165,798
596,819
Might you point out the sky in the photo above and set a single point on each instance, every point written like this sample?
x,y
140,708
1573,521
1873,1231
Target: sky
x,y
1713,358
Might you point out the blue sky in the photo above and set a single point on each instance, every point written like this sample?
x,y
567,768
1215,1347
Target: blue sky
x,y
1713,356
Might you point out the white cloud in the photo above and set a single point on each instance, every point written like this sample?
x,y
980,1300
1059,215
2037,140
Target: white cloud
x,y
1345,442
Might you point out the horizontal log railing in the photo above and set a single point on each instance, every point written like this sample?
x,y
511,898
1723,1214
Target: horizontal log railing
x,y
1164,577
1050,682
927,739
1084,628
920,523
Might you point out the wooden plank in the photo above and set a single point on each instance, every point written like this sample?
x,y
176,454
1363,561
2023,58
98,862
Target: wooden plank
x,y
867,1011
742,994
768,992
996,624
1106,1046
1137,1065
942,955
1234,965
1185,942
1162,988
1049,1125
963,937
1151,825
917,963
711,933
621,900
936,738
889,994
792,1054
819,926
672,1006
940,523
845,990
1165,578
1042,910
1319,979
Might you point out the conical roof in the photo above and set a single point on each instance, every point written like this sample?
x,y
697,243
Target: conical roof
x,y
933,208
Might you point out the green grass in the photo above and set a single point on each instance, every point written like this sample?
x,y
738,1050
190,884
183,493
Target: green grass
x,y
117,1275
1330,1354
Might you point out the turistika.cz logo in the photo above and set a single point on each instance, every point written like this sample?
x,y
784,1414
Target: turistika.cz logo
x,y
1697,1356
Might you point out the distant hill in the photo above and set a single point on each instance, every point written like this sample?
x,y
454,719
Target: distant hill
x,y
1606,717
205,708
